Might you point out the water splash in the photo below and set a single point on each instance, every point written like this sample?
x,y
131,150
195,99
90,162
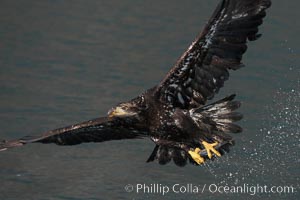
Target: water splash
x,y
275,159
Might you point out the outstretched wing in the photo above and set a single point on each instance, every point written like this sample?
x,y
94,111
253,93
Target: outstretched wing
x,y
97,130
203,68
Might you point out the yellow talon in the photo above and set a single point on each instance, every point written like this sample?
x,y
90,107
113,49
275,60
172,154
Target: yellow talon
x,y
210,148
196,157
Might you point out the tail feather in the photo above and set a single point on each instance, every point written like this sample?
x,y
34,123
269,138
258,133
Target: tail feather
x,y
179,157
164,154
152,156
179,154
233,116
221,114
229,128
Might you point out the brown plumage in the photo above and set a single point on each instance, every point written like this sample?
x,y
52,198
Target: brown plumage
x,y
174,114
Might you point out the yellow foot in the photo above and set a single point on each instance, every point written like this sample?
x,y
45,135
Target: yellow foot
x,y
196,157
210,149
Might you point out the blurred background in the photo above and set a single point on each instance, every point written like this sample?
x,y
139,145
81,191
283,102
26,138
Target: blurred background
x,y
63,62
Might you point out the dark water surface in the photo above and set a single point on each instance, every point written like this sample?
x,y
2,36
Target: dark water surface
x,y
63,62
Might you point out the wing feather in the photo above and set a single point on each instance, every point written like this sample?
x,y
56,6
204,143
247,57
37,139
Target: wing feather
x,y
96,130
202,70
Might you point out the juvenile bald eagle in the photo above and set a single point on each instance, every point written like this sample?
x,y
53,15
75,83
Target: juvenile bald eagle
x,y
174,114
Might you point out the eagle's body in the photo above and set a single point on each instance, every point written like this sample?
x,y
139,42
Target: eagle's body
x,y
175,113
175,131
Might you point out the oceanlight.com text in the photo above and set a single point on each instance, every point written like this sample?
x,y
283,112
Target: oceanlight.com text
x,y
189,188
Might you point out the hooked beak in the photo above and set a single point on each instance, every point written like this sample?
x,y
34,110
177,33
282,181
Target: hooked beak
x,y
119,112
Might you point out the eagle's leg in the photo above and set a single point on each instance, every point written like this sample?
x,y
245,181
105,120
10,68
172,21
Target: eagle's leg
x,y
196,156
209,147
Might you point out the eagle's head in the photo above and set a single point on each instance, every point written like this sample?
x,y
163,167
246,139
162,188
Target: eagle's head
x,y
128,109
